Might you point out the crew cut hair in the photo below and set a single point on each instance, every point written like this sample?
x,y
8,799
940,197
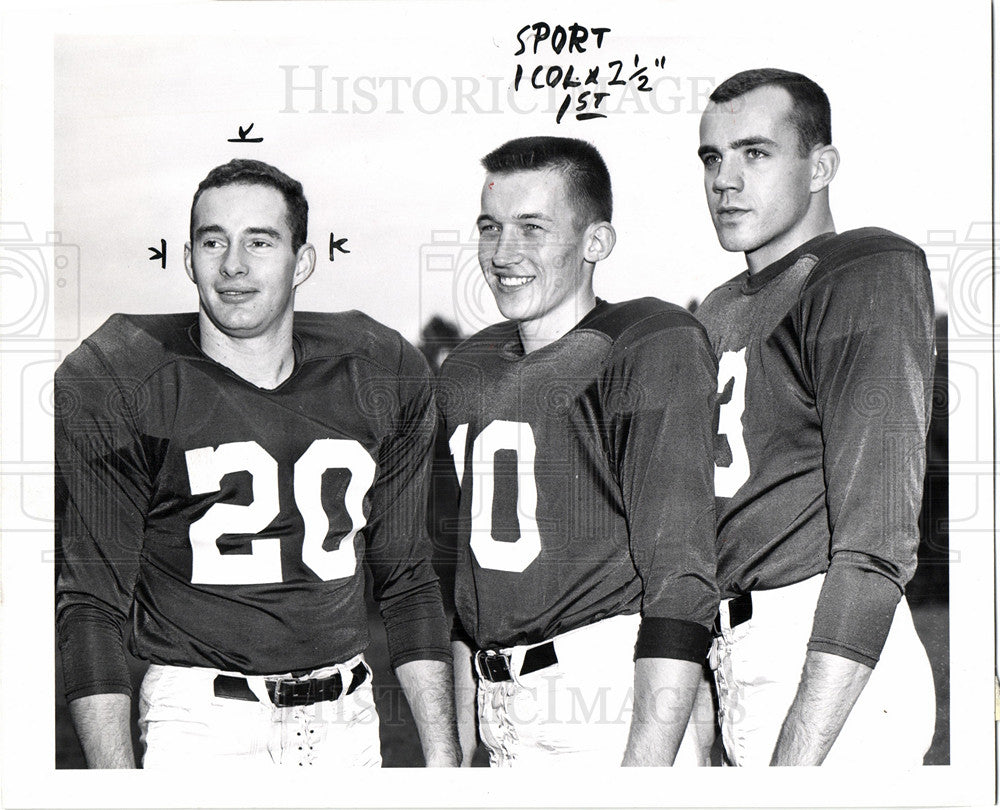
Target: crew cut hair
x,y
579,162
242,171
810,113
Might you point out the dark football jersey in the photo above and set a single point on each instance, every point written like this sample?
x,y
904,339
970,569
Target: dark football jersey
x,y
586,479
229,523
825,381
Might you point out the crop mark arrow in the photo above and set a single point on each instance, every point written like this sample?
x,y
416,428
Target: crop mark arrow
x,y
243,136
160,254
337,245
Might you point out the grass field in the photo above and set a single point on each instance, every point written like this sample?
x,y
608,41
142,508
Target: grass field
x,y
400,746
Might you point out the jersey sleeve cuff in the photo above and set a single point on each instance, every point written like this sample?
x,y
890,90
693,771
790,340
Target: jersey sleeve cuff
x,y
672,638
92,651
104,688
854,613
415,627
427,654
844,652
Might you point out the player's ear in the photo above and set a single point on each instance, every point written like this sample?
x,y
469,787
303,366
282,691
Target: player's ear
x,y
188,261
826,161
305,263
600,242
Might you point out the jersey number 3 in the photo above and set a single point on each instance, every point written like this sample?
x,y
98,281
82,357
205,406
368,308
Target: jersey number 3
x,y
733,367
206,467
500,435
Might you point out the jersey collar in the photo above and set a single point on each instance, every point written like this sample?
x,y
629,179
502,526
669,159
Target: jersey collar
x,y
755,282
512,348
196,352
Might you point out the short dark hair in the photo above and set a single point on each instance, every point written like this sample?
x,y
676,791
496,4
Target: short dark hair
x,y
810,107
242,171
579,162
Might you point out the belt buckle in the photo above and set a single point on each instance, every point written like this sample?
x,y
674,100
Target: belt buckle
x,y
288,692
493,666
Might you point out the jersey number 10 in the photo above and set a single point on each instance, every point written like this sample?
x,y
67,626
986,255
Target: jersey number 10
x,y
206,467
500,435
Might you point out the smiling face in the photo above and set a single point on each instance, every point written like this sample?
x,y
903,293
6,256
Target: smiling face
x,y
761,191
536,257
242,260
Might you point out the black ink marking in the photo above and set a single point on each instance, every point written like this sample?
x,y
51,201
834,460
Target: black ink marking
x,y
572,39
583,104
243,136
337,244
643,78
569,81
521,41
562,109
160,254
542,32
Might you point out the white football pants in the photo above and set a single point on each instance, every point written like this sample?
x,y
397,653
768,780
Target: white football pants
x,y
184,725
758,665
574,713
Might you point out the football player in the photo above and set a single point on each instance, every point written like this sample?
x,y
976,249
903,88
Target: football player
x,y
222,478
825,348
582,435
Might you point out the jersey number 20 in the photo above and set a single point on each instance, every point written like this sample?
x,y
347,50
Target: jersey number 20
x,y
500,435
206,467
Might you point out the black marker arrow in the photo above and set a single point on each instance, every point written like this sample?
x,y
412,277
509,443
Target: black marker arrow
x,y
337,245
160,254
243,136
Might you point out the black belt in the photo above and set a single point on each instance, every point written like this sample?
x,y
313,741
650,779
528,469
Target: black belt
x,y
286,692
494,666
740,610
